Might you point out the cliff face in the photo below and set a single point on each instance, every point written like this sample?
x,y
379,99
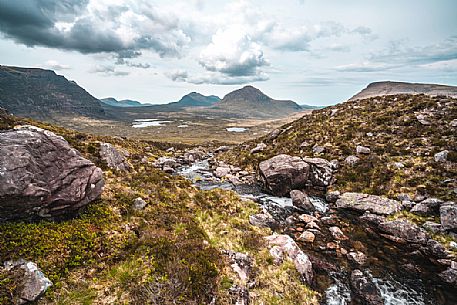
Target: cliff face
x,y
39,93
391,88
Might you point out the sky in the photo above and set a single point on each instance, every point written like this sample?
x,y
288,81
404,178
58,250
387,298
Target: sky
x,y
317,52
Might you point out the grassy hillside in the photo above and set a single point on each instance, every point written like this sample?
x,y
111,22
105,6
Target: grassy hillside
x,y
391,128
168,253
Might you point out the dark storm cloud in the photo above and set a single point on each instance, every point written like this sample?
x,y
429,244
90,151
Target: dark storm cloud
x,y
36,23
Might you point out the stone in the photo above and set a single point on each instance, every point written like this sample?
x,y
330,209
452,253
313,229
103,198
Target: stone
x,y
364,288
139,203
299,258
357,257
421,209
259,148
404,231
427,207
223,148
283,173
441,156
337,233
307,236
301,200
453,123
448,215
318,149
449,276
166,162
263,221
312,225
368,203
168,170
222,171
241,264
239,295
432,227
422,119
321,171
307,218
41,176
398,165
273,135
332,196
362,150
113,158
351,160
193,155
30,281
278,255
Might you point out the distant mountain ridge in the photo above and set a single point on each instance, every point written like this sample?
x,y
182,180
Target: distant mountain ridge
x,y
39,93
195,99
391,88
253,102
122,103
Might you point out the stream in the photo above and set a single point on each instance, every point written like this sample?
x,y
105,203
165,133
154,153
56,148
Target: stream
x,y
396,286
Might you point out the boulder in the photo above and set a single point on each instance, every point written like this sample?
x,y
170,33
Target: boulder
x,y
449,276
222,171
139,204
307,236
364,289
321,171
259,148
223,148
163,162
283,173
427,207
441,156
448,216
29,280
318,149
113,158
263,221
301,200
368,203
357,257
404,231
333,196
41,176
337,233
351,160
362,150
301,261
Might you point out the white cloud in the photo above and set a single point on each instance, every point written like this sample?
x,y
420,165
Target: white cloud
x,y
55,65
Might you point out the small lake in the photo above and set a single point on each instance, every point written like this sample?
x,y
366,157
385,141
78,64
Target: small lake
x,y
142,123
236,129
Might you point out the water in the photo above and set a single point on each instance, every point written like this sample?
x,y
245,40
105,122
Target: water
x,y
236,129
142,123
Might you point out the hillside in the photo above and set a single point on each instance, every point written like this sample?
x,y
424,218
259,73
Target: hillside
x,y
39,93
403,133
195,99
251,102
122,103
390,88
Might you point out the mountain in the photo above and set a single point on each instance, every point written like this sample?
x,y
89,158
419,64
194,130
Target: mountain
x,y
389,88
195,99
39,93
251,102
123,103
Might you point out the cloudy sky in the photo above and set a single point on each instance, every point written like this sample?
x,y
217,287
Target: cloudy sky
x,y
316,52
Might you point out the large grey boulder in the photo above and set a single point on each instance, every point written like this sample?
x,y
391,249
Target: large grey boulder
x,y
448,216
368,203
113,157
321,171
364,288
283,173
30,281
301,200
403,231
285,245
41,176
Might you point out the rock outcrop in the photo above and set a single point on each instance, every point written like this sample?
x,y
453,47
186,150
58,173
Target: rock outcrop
x,y
29,280
113,157
368,203
283,173
41,176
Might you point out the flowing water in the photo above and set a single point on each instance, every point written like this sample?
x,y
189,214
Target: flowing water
x,y
395,289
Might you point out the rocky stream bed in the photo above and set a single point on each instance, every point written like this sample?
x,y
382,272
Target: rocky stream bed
x,y
358,256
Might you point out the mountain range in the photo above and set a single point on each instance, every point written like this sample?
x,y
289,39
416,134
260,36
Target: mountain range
x,y
391,88
39,93
122,103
